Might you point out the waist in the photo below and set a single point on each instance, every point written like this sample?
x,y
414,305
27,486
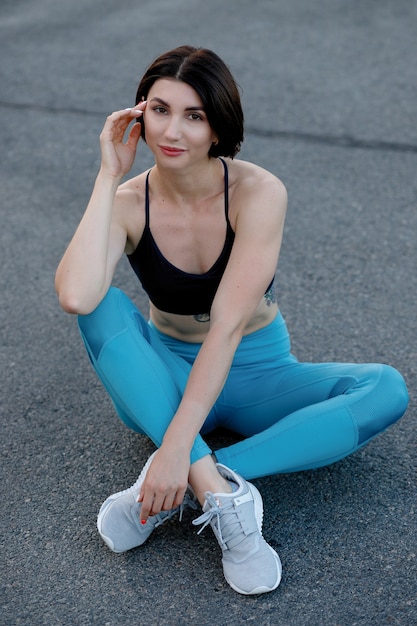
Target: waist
x,y
271,343
194,328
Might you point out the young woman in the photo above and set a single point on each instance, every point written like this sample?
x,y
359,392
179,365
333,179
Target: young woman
x,y
203,232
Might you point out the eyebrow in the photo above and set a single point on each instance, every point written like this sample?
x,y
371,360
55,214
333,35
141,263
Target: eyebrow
x,y
165,104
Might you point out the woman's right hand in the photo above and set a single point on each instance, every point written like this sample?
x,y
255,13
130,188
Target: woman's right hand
x,y
117,156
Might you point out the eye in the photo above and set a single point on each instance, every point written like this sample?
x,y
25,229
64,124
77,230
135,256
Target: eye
x,y
160,109
195,116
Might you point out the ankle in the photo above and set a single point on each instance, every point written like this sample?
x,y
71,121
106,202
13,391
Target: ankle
x,y
204,476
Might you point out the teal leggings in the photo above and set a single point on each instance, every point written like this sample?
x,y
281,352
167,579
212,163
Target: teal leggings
x,y
292,416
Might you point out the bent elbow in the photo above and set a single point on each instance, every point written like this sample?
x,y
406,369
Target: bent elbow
x,y
68,304
72,300
73,305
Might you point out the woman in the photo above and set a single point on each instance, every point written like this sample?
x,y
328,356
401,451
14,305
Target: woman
x,y
203,231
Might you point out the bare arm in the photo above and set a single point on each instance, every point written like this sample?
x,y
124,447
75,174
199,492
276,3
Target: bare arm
x,y
251,267
87,267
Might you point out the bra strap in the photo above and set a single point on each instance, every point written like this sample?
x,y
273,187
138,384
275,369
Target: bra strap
x,y
226,188
147,200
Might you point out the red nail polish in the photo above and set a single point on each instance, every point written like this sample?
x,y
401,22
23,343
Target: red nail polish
x,y
143,522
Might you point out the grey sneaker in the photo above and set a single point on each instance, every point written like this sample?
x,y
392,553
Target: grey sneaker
x,y
118,520
250,565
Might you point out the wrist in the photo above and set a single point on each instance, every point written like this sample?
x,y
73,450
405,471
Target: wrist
x,y
104,177
177,442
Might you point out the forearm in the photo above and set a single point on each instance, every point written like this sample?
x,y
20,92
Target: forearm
x,y
81,277
205,383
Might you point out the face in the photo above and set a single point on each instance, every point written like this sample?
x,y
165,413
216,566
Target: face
x,y
177,130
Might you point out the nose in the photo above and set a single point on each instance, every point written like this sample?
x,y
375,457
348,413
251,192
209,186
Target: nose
x,y
173,128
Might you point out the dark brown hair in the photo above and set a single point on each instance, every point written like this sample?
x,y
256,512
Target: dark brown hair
x,y
209,76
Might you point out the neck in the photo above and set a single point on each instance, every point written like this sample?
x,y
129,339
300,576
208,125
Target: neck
x,y
187,185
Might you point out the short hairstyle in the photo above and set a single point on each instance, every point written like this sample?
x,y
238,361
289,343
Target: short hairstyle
x,y
210,77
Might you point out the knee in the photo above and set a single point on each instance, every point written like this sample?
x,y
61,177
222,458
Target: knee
x,y
383,401
106,307
390,399
394,390
106,321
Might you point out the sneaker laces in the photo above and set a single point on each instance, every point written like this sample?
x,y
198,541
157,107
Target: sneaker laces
x,y
227,521
189,501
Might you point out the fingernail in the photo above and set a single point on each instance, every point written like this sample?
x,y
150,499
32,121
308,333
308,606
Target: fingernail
x,y
143,522
135,111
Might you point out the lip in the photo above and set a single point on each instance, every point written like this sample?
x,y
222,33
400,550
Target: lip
x,y
170,151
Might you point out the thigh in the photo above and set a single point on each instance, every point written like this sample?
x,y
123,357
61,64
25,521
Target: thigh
x,y
118,321
254,402
144,378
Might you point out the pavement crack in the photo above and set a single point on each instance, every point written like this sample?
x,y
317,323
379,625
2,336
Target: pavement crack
x,y
341,141
54,110
344,141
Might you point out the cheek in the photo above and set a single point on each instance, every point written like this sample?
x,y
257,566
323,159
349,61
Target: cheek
x,y
150,129
205,136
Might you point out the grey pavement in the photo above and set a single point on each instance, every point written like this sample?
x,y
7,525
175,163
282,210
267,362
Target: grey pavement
x,y
330,95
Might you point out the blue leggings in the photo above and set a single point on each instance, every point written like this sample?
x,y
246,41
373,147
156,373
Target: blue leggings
x,y
292,416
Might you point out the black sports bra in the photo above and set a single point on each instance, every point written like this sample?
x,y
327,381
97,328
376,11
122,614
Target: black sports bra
x,y
169,288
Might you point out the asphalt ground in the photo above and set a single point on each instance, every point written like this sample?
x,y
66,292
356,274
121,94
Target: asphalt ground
x,y
330,96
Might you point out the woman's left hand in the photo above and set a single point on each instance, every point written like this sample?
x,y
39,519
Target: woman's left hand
x,y
165,483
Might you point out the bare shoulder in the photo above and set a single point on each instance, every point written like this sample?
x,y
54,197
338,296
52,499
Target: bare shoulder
x,y
129,209
245,169
252,185
132,189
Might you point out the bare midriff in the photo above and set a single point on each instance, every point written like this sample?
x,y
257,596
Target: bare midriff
x,y
194,328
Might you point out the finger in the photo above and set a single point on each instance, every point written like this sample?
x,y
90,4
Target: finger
x,y
115,129
146,508
131,113
137,110
157,505
179,497
134,136
174,499
120,120
141,106
115,126
168,502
